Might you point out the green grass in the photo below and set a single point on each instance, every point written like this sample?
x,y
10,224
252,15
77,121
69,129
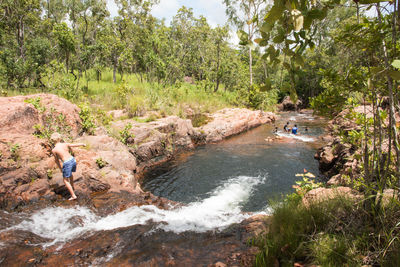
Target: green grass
x,y
134,96
141,97
336,232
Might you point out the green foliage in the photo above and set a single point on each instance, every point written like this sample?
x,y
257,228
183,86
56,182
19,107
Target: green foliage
x,y
36,103
49,174
335,232
52,121
15,150
87,118
125,136
307,184
122,91
102,117
136,105
101,163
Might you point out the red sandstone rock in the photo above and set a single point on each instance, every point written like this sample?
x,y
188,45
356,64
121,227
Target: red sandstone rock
x,y
288,105
322,194
232,121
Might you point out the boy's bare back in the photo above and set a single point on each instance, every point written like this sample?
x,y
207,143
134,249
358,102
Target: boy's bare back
x,y
61,150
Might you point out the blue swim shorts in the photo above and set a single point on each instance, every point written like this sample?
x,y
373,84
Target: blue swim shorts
x,y
69,166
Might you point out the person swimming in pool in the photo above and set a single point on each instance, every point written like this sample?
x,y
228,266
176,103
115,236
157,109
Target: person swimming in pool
x,y
294,129
286,127
61,152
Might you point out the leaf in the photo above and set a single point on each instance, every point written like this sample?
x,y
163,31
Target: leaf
x,y
258,40
279,38
396,63
366,2
242,35
299,59
267,27
288,52
297,19
287,65
265,56
307,22
263,43
275,13
377,70
394,74
309,174
267,86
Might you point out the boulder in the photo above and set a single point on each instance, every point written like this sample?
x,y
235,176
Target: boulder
x,y
323,194
288,105
232,121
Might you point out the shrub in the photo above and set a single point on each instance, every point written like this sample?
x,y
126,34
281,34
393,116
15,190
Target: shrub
x,y
135,106
125,136
52,121
85,114
101,163
14,150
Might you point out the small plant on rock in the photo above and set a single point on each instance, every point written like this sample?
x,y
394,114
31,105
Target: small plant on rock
x,y
49,173
36,103
125,136
101,163
85,114
307,184
14,150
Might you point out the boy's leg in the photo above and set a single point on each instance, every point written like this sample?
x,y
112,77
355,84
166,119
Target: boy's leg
x,y
69,187
71,181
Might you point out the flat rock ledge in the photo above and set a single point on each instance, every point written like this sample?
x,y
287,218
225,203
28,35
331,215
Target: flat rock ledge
x,y
28,173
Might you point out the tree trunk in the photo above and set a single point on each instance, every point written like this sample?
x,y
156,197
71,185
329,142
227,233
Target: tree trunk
x,y
218,62
115,73
250,67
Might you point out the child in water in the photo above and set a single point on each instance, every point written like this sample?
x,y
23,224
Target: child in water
x,y
286,127
294,129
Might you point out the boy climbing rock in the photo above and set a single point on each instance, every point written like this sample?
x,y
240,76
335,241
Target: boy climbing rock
x,y
61,152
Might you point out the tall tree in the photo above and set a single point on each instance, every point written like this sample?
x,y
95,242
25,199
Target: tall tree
x,y
245,15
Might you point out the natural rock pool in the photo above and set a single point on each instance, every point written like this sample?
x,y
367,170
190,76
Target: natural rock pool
x,y
249,165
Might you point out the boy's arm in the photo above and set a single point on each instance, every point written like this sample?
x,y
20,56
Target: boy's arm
x,y
57,160
76,145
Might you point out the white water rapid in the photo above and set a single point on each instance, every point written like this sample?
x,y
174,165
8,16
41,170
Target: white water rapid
x,y
296,136
216,212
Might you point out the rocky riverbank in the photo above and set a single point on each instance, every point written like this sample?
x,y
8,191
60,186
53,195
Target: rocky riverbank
x,y
108,175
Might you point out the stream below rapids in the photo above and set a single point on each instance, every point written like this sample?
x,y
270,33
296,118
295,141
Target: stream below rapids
x,y
219,185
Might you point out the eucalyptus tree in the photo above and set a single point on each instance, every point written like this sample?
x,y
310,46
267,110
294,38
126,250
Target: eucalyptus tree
x,y
135,26
55,10
65,41
18,21
245,15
